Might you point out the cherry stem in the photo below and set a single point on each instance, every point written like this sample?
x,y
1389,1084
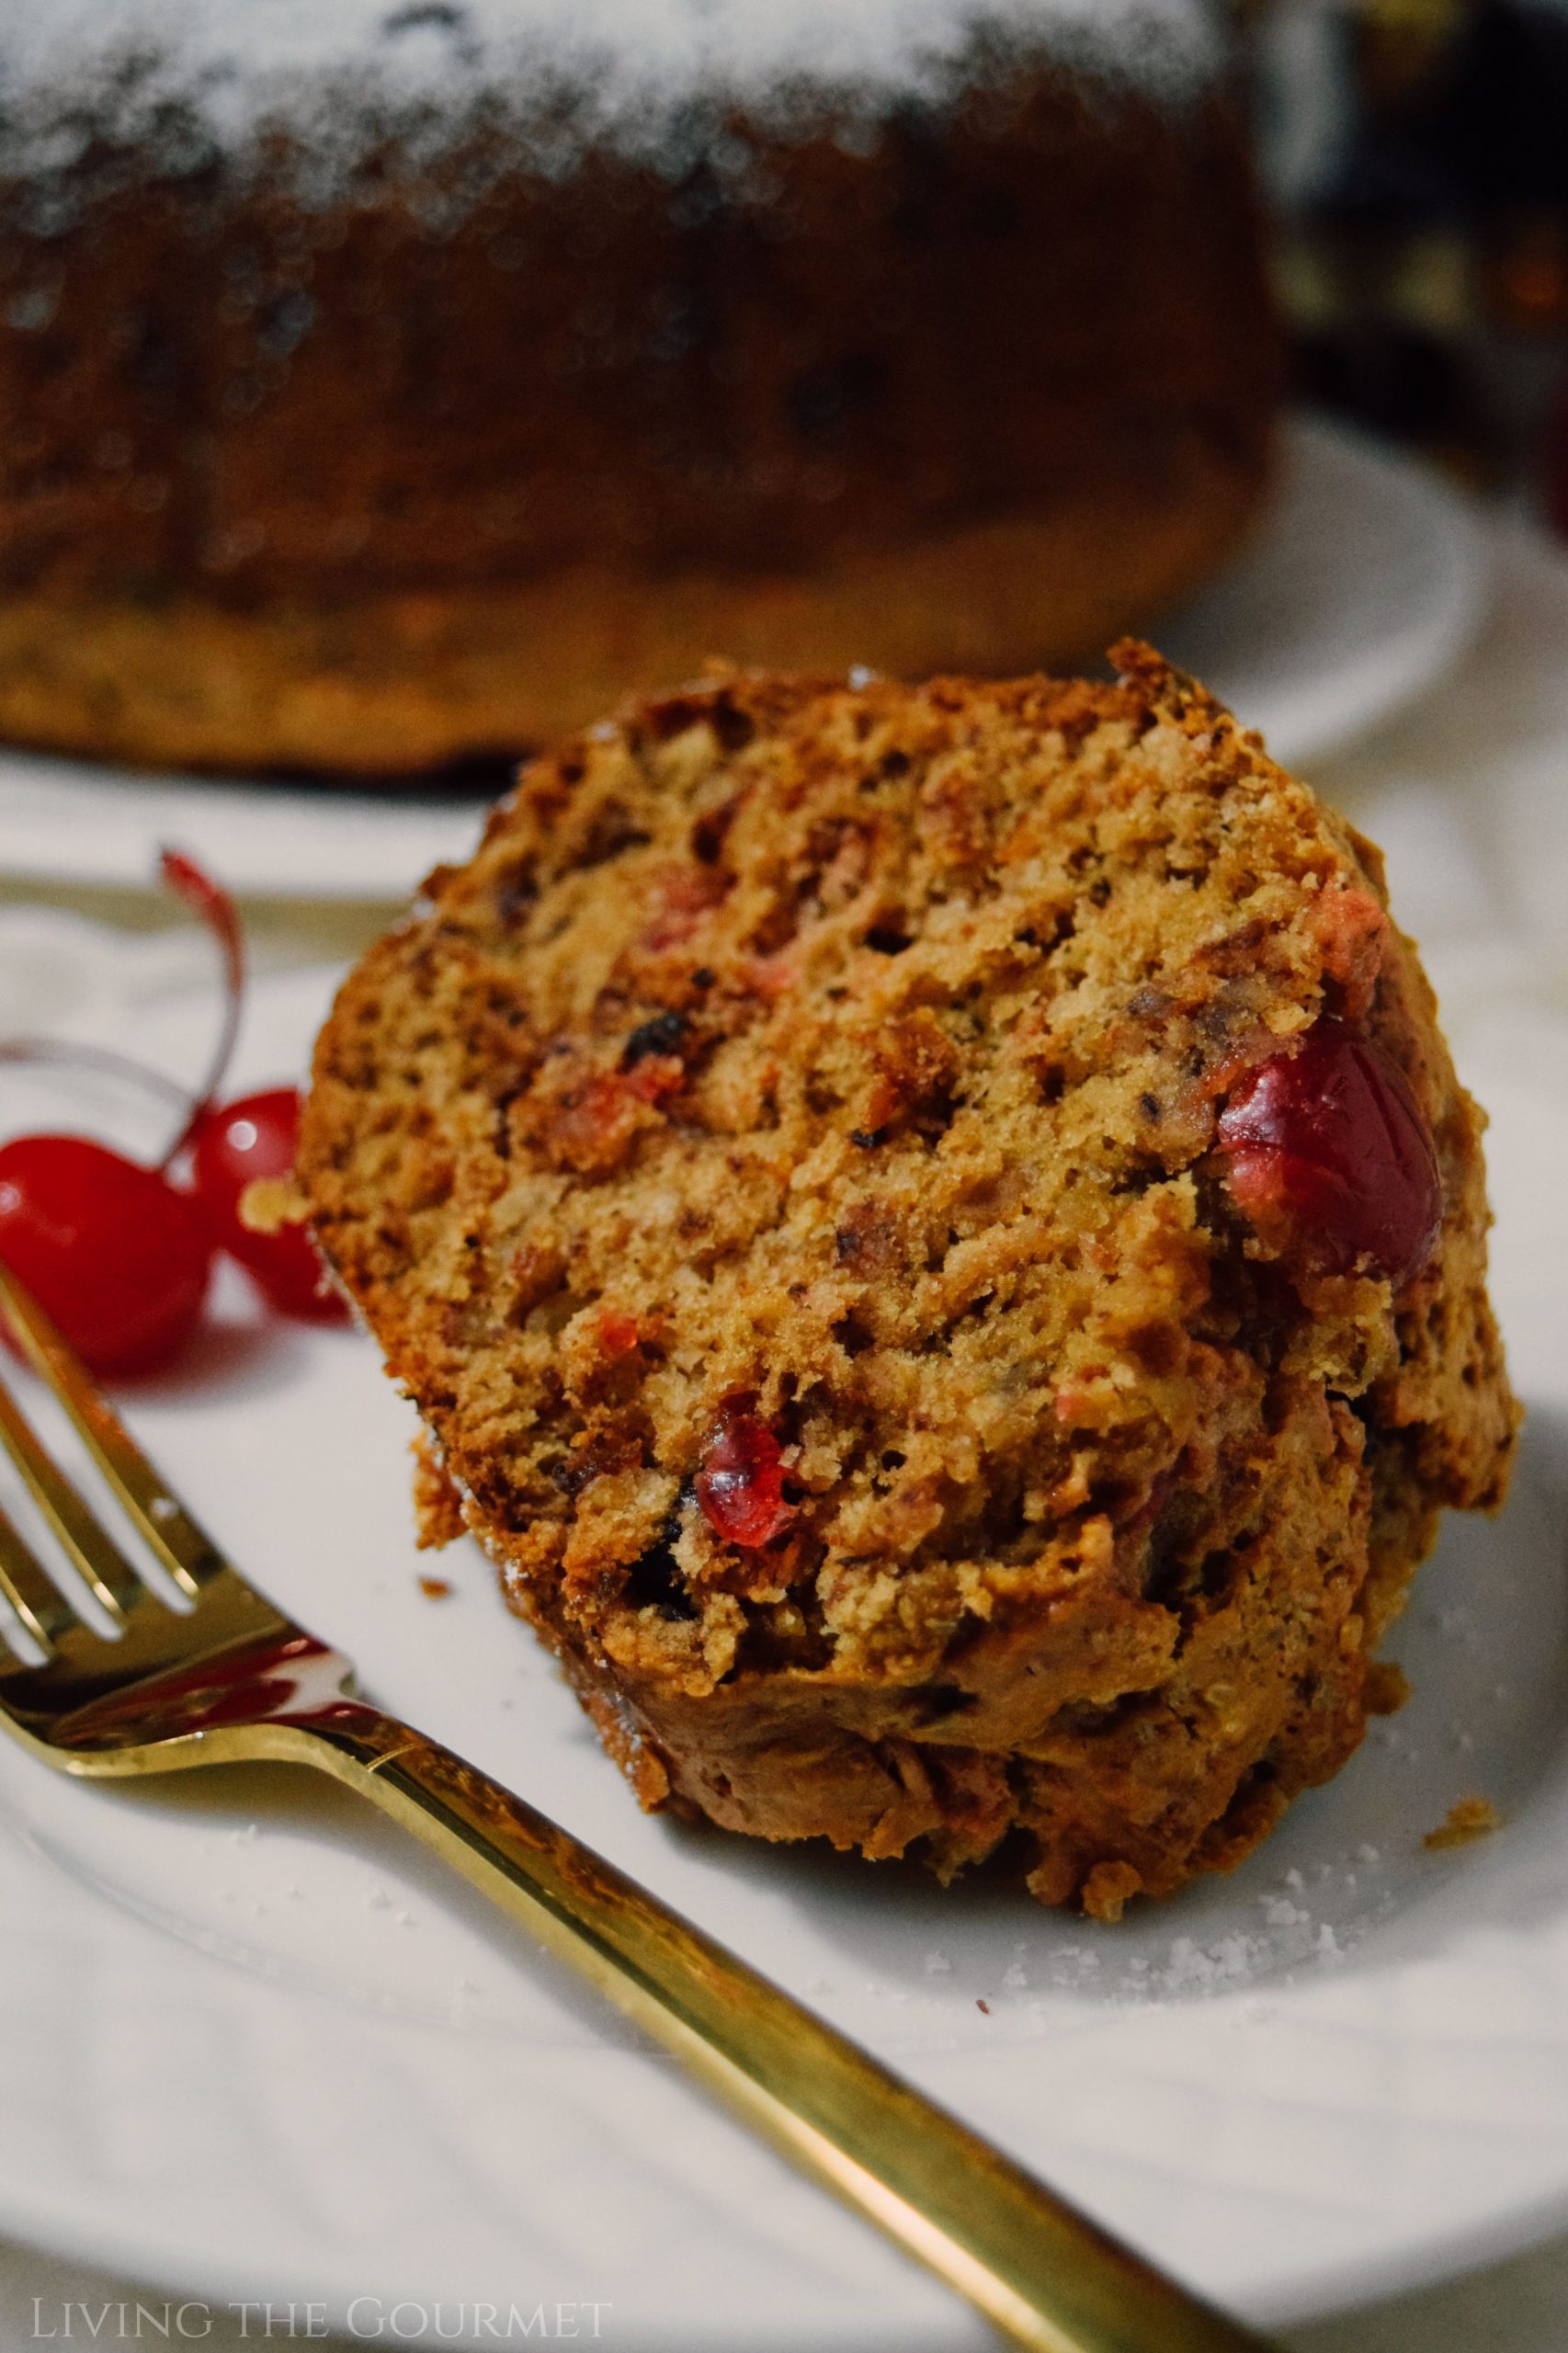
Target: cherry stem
x,y
102,1058
217,910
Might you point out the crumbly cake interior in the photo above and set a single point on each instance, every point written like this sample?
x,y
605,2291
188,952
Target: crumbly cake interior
x,y
843,1061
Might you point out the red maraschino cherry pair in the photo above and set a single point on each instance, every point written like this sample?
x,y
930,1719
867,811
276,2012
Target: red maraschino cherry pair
x,y
122,1253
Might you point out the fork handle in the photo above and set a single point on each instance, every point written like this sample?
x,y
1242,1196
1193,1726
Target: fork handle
x,y
1043,2274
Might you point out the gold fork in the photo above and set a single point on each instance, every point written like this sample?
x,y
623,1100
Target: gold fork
x,y
233,1678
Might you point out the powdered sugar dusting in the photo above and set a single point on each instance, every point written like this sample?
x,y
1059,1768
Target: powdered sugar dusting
x,y
1285,1938
740,44
611,69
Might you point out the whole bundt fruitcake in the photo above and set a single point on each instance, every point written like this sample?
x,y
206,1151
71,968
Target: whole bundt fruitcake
x,y
387,385
939,1243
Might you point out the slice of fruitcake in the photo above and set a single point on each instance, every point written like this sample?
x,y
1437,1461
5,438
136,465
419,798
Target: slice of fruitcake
x,y
939,1243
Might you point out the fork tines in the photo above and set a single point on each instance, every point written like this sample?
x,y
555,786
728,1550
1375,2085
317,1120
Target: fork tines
x,y
175,1539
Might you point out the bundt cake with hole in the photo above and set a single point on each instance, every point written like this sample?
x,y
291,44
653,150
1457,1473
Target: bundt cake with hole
x,y
941,1251
385,386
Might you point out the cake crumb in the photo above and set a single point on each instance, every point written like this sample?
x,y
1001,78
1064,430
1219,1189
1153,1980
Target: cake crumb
x,y
1468,1818
437,1507
1387,1687
272,1205
983,2006
435,1588
1108,1888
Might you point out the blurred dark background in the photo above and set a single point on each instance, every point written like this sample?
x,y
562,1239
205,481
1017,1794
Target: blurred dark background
x,y
1417,152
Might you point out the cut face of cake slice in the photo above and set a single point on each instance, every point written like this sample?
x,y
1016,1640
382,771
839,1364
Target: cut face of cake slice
x,y
939,1246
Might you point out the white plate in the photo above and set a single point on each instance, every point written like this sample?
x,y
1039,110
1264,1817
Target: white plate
x,y
1365,580
255,2046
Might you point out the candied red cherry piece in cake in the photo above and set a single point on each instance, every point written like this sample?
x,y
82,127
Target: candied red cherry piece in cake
x,y
1325,1142
235,1144
739,1484
118,1256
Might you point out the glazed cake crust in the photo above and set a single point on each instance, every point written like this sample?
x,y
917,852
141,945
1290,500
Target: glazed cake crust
x,y
843,1063
450,458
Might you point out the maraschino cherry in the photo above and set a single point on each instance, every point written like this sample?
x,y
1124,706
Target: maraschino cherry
x,y
234,1145
120,1253
114,1251
118,1256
